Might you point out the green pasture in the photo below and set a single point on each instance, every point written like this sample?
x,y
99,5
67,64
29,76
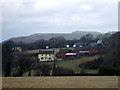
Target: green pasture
x,y
74,64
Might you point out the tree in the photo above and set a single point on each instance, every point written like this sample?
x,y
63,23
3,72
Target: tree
x,y
23,45
40,44
62,71
24,64
112,50
45,69
7,48
107,70
111,55
88,38
7,57
57,42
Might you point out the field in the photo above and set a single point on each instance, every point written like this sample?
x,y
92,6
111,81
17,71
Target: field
x,y
61,82
37,50
74,64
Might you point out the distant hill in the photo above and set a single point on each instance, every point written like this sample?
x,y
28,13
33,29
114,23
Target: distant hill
x,y
31,38
47,36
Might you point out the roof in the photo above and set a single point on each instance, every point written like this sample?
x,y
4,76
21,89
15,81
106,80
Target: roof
x,y
79,44
93,44
46,52
65,50
96,45
82,48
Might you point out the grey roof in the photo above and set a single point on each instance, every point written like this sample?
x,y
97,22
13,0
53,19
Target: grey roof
x,y
83,48
79,44
65,50
46,52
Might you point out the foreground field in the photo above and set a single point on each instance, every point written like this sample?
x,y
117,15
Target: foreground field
x,y
61,82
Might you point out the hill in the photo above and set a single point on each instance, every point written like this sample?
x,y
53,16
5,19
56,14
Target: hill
x,y
46,36
31,38
74,35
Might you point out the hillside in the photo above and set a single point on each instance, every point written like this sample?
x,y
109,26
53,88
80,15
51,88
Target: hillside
x,y
31,38
74,64
46,36
74,35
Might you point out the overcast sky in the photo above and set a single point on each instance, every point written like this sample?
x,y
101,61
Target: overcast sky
x,y
25,17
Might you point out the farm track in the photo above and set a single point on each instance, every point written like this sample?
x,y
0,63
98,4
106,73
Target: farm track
x,y
61,82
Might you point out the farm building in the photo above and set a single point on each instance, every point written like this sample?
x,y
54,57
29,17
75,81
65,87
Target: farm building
x,y
79,44
66,52
82,50
96,45
46,56
87,50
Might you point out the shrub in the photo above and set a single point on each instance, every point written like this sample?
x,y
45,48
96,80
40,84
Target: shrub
x,y
45,69
15,72
107,70
60,71
92,64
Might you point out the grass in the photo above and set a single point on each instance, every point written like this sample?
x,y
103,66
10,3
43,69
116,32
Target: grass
x,y
74,64
61,82
37,50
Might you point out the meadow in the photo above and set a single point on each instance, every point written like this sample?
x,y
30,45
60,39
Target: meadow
x,y
37,50
74,64
61,82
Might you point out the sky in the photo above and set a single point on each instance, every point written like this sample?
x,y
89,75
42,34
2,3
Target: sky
x,y
26,17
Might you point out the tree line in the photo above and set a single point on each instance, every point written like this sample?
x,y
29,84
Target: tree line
x,y
55,42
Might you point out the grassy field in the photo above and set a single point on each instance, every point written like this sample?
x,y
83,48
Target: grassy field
x,y
74,64
37,50
61,82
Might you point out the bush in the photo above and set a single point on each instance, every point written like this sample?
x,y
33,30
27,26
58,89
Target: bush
x,y
45,69
23,63
60,71
92,64
107,70
15,72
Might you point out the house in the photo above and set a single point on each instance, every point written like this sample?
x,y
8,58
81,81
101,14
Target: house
x,y
78,44
46,56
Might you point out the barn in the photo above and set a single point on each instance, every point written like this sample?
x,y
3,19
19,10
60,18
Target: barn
x,y
66,52
86,50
